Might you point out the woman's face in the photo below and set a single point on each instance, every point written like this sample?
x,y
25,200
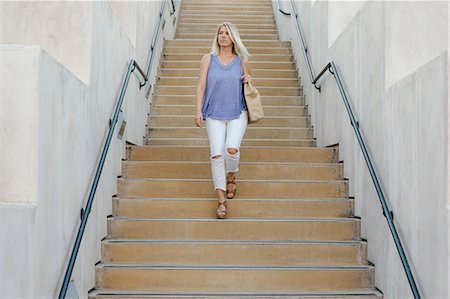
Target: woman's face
x,y
223,38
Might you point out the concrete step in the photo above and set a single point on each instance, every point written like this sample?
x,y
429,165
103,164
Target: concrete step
x,y
251,132
238,208
300,111
316,229
247,170
214,12
248,154
227,2
233,279
170,64
212,31
245,142
118,294
216,24
192,81
218,19
266,100
203,188
256,73
206,43
249,253
204,50
244,36
230,2
228,11
265,90
188,122
254,58
226,7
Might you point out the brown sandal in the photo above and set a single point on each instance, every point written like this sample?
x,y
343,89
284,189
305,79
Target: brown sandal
x,y
231,193
221,212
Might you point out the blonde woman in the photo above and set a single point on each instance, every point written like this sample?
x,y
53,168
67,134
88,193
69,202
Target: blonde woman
x,y
220,102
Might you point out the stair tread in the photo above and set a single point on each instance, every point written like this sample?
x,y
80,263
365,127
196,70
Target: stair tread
x,y
312,164
240,180
191,106
234,267
272,117
337,199
231,220
249,128
235,242
360,292
247,139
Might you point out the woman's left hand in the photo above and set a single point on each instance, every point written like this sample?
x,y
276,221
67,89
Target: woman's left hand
x,y
246,78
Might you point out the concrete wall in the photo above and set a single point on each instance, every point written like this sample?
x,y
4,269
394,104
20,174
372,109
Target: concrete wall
x,y
62,65
393,58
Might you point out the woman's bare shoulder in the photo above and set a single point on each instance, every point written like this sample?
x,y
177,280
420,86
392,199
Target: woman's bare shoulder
x,y
206,58
245,60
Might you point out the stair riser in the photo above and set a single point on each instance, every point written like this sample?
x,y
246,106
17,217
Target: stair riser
x,y
196,64
238,209
204,43
198,296
233,254
219,19
195,35
214,26
192,90
280,74
202,154
202,170
247,189
232,10
299,122
245,142
212,31
254,58
265,100
205,50
255,133
217,12
230,2
167,81
229,8
268,111
220,280
311,230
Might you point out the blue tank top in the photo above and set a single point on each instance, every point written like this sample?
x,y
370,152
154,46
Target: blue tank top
x,y
224,96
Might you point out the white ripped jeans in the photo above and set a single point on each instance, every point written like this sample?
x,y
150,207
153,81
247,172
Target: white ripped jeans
x,y
225,134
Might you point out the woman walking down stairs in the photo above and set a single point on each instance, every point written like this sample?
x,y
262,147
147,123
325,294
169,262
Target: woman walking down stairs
x,y
290,230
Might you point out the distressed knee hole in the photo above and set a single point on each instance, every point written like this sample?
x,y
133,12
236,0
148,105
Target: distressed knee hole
x,y
232,150
216,157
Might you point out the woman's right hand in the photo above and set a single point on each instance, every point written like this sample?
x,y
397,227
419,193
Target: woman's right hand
x,y
198,119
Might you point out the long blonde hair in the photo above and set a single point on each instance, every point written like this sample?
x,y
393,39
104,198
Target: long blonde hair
x,y
238,46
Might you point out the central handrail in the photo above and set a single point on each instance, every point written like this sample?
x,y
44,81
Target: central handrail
x,y
387,212
112,124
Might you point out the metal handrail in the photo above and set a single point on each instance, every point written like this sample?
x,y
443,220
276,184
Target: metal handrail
x,y
112,123
87,210
281,10
387,212
154,43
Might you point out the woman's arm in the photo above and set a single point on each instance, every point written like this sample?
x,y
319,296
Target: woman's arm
x,y
247,77
201,86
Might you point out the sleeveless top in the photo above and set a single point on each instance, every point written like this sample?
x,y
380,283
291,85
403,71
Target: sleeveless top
x,y
224,95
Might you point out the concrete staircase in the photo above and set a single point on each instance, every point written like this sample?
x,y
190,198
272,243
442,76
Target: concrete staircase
x,y
290,231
